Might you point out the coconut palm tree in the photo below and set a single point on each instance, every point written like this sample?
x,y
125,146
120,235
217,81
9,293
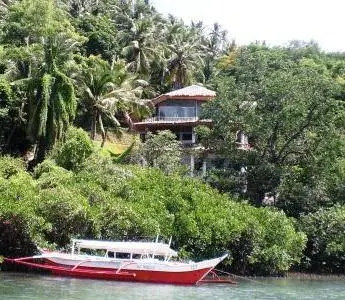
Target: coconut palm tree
x,y
110,90
212,46
51,95
139,50
184,60
39,53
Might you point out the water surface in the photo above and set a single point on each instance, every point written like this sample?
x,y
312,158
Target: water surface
x,y
33,286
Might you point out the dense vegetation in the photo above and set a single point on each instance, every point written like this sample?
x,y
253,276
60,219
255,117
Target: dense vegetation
x,y
89,64
109,201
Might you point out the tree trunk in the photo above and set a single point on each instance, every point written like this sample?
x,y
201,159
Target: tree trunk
x,y
128,121
94,124
40,149
104,135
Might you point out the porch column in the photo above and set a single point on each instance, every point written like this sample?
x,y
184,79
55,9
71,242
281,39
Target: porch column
x,y
191,165
204,168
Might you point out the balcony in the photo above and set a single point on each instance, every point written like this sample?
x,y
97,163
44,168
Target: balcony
x,y
161,123
171,119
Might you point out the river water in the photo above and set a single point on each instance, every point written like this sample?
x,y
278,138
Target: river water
x,y
40,287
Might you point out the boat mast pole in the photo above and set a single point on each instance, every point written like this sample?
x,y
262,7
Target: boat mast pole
x,y
73,246
154,252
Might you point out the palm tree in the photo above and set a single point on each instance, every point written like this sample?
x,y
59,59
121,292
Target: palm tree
x,y
139,50
185,58
212,46
109,91
39,56
51,95
79,7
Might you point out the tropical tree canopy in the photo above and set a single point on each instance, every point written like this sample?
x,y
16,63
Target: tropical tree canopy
x,y
277,137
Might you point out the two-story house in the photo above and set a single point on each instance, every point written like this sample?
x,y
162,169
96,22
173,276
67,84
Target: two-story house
x,y
179,111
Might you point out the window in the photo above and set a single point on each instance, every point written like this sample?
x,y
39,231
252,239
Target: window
x,y
122,255
187,136
111,254
178,109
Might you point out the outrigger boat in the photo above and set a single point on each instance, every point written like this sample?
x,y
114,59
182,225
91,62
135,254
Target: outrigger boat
x,y
125,261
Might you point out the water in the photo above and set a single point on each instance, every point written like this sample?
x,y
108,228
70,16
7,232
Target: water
x,y
41,287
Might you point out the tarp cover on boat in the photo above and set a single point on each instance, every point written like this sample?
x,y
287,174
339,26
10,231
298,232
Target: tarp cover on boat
x,y
127,247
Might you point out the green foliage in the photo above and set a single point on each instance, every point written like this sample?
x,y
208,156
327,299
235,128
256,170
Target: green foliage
x,y
65,212
101,34
47,91
15,238
9,113
288,101
109,201
274,244
203,134
49,175
73,152
205,223
53,108
290,111
299,193
109,90
118,158
10,166
185,58
28,21
162,151
119,220
326,245
19,224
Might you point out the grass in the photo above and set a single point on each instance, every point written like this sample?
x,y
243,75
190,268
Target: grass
x,y
111,146
114,144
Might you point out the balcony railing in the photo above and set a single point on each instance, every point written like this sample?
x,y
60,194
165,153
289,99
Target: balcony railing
x,y
171,119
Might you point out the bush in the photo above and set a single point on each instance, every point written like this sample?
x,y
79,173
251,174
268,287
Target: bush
x,y
162,151
325,251
19,224
118,220
49,175
109,201
15,236
10,166
269,243
73,152
206,224
67,215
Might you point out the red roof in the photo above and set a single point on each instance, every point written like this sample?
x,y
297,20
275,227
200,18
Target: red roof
x,y
196,92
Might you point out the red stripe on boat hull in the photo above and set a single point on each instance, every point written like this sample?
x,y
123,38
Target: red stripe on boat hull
x,y
191,277
186,278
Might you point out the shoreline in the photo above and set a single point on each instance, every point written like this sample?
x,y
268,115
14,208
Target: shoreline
x,y
316,276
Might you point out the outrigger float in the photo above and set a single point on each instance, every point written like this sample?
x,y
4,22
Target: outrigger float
x,y
125,261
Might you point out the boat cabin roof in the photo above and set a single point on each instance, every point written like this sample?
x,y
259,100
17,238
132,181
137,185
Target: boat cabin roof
x,y
127,247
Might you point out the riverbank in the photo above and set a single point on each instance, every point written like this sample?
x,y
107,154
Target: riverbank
x,y
314,276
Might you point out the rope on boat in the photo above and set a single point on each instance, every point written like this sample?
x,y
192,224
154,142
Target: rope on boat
x,y
241,277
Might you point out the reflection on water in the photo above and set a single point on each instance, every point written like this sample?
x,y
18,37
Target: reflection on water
x,y
41,287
